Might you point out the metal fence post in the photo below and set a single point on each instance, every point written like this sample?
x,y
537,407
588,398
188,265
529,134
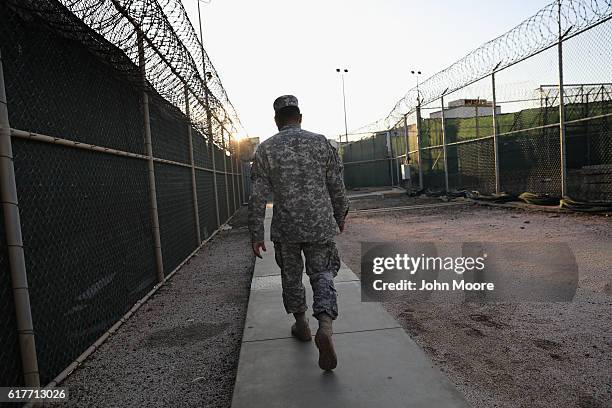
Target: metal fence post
x,y
159,263
232,157
418,137
406,136
14,242
495,141
476,119
225,171
237,165
242,178
562,111
212,149
407,161
239,170
444,147
194,189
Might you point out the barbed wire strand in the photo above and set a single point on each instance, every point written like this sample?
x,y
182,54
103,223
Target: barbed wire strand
x,y
173,52
535,34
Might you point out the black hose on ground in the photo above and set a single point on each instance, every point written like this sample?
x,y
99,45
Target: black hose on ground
x,y
566,203
539,199
527,197
582,206
493,198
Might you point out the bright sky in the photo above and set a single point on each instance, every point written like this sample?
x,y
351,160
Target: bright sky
x,y
264,49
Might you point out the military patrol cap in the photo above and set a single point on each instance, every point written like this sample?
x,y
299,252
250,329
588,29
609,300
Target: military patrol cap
x,y
284,101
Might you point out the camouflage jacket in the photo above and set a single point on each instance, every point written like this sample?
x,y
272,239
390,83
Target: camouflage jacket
x,y
304,174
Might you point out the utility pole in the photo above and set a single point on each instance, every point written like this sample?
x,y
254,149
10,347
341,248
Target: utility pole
x,y
562,146
417,73
342,72
418,127
209,120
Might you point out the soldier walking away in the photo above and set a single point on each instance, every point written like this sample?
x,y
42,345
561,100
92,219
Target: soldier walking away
x,y
303,172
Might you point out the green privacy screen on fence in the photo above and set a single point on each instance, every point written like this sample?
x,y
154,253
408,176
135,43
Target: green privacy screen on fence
x,y
86,215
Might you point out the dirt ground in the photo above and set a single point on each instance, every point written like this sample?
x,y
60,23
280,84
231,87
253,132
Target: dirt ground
x,y
181,348
509,354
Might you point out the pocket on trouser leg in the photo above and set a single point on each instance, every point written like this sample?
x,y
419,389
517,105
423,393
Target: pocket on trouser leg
x,y
322,258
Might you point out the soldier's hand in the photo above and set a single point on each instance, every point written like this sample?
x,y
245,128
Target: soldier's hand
x,y
257,247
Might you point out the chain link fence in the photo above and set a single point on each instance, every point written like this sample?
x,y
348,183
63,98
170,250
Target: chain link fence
x,y
494,121
91,196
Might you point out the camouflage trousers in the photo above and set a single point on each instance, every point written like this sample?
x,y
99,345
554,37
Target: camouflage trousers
x,y
322,265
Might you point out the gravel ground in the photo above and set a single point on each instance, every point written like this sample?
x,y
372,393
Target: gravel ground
x,y
181,348
510,355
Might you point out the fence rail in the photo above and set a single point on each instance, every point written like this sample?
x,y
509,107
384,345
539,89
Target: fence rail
x,y
119,176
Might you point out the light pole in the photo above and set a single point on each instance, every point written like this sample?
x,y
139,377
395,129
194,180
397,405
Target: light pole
x,y
211,139
342,72
418,130
206,74
417,73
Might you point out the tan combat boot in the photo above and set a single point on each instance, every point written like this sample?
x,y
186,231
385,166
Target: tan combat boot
x,y
300,329
323,339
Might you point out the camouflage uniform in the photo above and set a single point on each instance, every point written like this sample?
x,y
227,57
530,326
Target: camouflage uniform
x,y
322,264
303,172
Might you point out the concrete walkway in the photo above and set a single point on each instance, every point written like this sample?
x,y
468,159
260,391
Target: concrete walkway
x,y
378,364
